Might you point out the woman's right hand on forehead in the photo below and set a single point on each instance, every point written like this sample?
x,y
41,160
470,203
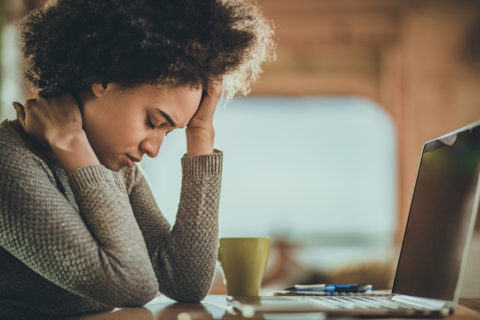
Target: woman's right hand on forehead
x,y
50,121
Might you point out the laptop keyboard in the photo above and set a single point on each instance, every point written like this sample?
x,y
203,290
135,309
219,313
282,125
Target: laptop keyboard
x,y
344,302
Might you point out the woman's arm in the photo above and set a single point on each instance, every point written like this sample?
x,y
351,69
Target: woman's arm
x,y
96,251
183,257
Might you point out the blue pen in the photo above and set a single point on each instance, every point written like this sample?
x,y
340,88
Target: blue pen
x,y
340,288
332,288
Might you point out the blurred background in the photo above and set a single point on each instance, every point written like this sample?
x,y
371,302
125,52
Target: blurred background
x,y
322,156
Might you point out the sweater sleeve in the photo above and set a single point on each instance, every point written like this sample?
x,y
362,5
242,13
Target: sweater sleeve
x,y
97,252
184,256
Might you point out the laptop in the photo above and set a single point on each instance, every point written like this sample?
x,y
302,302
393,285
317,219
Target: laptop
x,y
435,245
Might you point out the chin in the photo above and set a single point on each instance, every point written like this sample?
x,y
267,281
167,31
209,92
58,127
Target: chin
x,y
116,167
111,165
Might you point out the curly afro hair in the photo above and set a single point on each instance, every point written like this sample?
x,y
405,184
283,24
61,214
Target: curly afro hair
x,y
70,44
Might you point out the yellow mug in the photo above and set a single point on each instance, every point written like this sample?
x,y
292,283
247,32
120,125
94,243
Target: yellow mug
x,y
243,262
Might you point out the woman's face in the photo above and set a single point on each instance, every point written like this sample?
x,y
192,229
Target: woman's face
x,y
124,124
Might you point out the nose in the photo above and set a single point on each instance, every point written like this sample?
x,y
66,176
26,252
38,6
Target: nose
x,y
151,145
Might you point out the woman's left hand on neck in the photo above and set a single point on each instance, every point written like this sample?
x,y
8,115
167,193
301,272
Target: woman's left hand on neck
x,y
57,123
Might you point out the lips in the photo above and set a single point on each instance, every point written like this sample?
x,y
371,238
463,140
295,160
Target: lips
x,y
131,161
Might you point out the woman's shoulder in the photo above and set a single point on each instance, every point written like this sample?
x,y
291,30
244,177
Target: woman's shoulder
x,y
16,155
11,144
8,134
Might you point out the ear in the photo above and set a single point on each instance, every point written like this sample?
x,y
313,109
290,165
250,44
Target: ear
x,y
100,89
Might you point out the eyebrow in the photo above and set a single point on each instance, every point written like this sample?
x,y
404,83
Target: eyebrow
x,y
166,116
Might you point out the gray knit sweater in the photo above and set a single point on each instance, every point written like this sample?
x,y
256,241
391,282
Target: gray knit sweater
x,y
95,239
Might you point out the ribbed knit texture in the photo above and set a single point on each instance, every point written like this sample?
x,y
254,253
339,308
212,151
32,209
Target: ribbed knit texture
x,y
95,239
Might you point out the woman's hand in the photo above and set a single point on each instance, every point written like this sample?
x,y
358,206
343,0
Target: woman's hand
x,y
50,122
200,132
57,123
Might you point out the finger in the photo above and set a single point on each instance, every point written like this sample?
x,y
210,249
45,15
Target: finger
x,y
20,112
215,89
38,108
29,105
69,99
209,102
64,101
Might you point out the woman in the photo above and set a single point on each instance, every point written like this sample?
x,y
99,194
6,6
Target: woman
x,y
79,227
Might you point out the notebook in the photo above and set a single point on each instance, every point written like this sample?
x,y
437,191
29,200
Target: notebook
x,y
434,250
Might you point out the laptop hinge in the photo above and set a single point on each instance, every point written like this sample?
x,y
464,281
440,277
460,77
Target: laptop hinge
x,y
432,304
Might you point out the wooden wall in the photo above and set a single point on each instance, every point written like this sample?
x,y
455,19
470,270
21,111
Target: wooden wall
x,y
420,60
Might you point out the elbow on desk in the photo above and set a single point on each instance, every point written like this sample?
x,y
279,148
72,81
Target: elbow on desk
x,y
188,287
138,300
188,295
130,282
129,297
136,293
187,298
120,289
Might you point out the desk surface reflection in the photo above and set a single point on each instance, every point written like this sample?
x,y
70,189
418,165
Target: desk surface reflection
x,y
214,307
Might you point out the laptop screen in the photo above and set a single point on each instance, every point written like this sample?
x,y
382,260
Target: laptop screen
x,y
441,215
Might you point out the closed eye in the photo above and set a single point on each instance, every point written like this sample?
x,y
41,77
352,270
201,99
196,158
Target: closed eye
x,y
149,123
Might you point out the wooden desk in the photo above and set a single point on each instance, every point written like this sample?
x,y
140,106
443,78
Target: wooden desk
x,y
214,307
